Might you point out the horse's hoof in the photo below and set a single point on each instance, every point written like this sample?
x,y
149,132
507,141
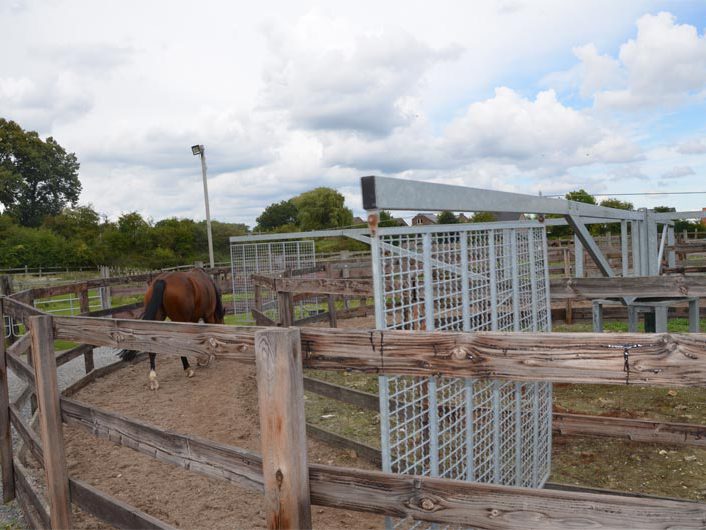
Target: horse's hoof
x,y
201,363
154,384
189,372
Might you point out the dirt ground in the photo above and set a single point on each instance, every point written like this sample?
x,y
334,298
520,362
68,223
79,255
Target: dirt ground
x,y
220,404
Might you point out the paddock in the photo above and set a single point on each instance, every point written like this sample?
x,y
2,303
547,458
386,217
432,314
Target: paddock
x,y
261,442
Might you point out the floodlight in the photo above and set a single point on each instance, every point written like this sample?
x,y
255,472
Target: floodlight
x,y
196,149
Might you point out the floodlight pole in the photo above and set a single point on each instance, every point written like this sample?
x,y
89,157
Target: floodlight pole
x,y
202,153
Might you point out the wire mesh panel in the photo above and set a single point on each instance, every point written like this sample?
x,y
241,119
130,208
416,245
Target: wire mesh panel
x,y
472,279
265,258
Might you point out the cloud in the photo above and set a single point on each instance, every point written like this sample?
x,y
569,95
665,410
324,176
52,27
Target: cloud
x,y
678,172
535,133
90,59
664,65
362,83
692,147
37,105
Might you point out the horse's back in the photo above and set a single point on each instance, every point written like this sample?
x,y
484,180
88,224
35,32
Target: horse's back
x,y
188,296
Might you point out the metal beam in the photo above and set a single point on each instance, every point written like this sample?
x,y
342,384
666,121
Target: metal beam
x,y
666,216
587,240
399,194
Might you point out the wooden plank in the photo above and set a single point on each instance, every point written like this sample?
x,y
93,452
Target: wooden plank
x,y
22,369
371,454
488,506
282,428
112,510
285,307
630,429
364,400
350,287
264,281
114,310
34,506
50,420
167,338
647,286
469,504
8,480
237,466
660,360
29,437
19,310
20,346
65,356
261,319
84,303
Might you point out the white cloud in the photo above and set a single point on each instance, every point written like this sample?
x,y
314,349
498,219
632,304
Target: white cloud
x,y
357,82
692,147
536,133
678,172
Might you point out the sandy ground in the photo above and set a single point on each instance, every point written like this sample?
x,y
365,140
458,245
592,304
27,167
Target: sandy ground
x,y
219,403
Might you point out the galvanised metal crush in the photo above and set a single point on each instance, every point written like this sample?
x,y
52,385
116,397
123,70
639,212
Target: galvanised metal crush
x,y
266,258
464,279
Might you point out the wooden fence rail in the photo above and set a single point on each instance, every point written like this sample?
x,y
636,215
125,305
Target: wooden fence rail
x,y
671,360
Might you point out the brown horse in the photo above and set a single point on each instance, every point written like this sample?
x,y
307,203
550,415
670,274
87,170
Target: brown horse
x,y
183,297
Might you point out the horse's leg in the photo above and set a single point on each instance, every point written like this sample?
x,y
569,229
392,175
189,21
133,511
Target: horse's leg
x,y
187,369
154,384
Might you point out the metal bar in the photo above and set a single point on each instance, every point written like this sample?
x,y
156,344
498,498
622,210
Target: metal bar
x,y
428,283
533,279
470,456
399,194
433,428
692,214
546,282
624,257
492,269
660,253
671,255
497,476
635,236
593,250
578,257
465,295
519,442
652,245
514,267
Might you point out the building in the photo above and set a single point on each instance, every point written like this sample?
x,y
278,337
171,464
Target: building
x,y
424,219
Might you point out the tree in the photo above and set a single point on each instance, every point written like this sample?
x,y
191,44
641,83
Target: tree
x,y
614,228
37,178
322,208
446,218
277,215
483,217
580,196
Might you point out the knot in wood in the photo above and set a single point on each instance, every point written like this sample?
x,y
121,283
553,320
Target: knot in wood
x,y
427,504
459,353
118,336
494,513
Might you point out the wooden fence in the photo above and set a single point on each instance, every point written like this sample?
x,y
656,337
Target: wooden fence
x,y
281,472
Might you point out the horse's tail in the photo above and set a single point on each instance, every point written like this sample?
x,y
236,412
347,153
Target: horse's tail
x,y
150,312
220,312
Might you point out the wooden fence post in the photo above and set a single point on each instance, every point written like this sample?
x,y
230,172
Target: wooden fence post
x,y
280,387
331,300
285,305
85,308
8,472
50,420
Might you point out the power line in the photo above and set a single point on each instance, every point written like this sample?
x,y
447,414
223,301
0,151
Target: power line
x,y
636,194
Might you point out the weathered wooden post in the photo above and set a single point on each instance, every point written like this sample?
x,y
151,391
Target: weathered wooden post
x,y
285,305
50,420
8,478
86,308
331,300
280,388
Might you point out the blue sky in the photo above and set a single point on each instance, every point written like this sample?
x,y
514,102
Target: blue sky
x,y
520,95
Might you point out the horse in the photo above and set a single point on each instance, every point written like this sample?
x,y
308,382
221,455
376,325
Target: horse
x,y
183,297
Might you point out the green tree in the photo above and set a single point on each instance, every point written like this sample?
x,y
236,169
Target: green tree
x,y
482,217
580,196
277,215
37,178
322,208
447,218
614,228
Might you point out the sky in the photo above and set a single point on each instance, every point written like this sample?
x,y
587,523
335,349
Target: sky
x,y
519,95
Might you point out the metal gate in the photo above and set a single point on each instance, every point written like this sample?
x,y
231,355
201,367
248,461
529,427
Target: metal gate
x,y
266,257
480,278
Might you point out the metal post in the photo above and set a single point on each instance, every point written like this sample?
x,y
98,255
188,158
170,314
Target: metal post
x,y
514,266
519,442
660,254
465,298
202,152
428,283
694,322
578,257
470,407
671,255
492,269
546,280
635,237
533,278
433,428
624,246
497,420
